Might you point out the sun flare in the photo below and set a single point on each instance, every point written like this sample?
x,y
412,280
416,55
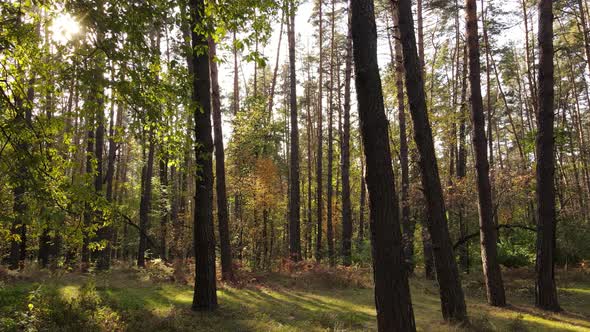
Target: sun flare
x,y
64,28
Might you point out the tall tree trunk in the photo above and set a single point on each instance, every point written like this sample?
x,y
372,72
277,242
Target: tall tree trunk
x,y
319,184
205,295
407,224
110,176
426,238
329,193
164,217
345,155
146,199
392,291
489,255
276,69
462,164
451,293
103,232
18,249
362,201
546,290
227,272
309,221
294,190
529,59
87,215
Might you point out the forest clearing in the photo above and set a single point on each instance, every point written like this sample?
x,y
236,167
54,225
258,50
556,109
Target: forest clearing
x,y
302,165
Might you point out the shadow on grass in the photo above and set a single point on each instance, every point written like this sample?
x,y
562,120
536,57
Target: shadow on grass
x,y
132,304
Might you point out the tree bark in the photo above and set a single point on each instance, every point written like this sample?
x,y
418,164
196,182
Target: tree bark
x,y
330,190
346,204
546,290
319,184
407,225
451,293
146,199
392,292
462,164
294,190
227,272
488,235
205,295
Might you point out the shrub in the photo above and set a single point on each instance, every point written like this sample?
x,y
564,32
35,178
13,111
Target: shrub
x,y
157,270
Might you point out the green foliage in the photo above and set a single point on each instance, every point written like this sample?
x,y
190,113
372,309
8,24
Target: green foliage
x,y
517,249
361,252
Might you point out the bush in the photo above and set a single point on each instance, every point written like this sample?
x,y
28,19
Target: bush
x,y
157,270
361,252
46,310
517,249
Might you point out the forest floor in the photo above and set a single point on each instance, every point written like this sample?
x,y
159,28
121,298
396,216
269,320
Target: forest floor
x,y
312,299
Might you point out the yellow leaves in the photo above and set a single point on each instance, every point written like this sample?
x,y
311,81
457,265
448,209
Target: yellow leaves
x,y
261,187
267,183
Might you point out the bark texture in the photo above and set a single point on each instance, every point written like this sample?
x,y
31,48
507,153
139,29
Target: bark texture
x,y
205,295
546,290
451,293
488,233
392,292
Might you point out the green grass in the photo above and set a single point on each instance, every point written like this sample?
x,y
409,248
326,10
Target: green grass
x,y
272,302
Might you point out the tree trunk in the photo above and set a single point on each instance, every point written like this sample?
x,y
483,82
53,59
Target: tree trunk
x,y
462,165
319,184
488,236
362,201
451,293
329,187
87,216
205,295
103,232
294,192
227,272
112,156
407,224
146,200
392,291
546,290
346,204
164,217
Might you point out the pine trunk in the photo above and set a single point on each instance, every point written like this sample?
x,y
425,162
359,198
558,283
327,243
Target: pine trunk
x,y
546,290
451,293
227,272
205,295
346,204
294,192
488,235
392,291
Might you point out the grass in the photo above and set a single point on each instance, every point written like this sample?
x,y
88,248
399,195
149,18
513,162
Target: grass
x,y
312,301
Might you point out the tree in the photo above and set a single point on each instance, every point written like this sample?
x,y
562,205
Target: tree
x,y
345,155
146,196
329,177
451,293
227,272
294,192
205,295
489,255
545,288
407,225
319,171
392,291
